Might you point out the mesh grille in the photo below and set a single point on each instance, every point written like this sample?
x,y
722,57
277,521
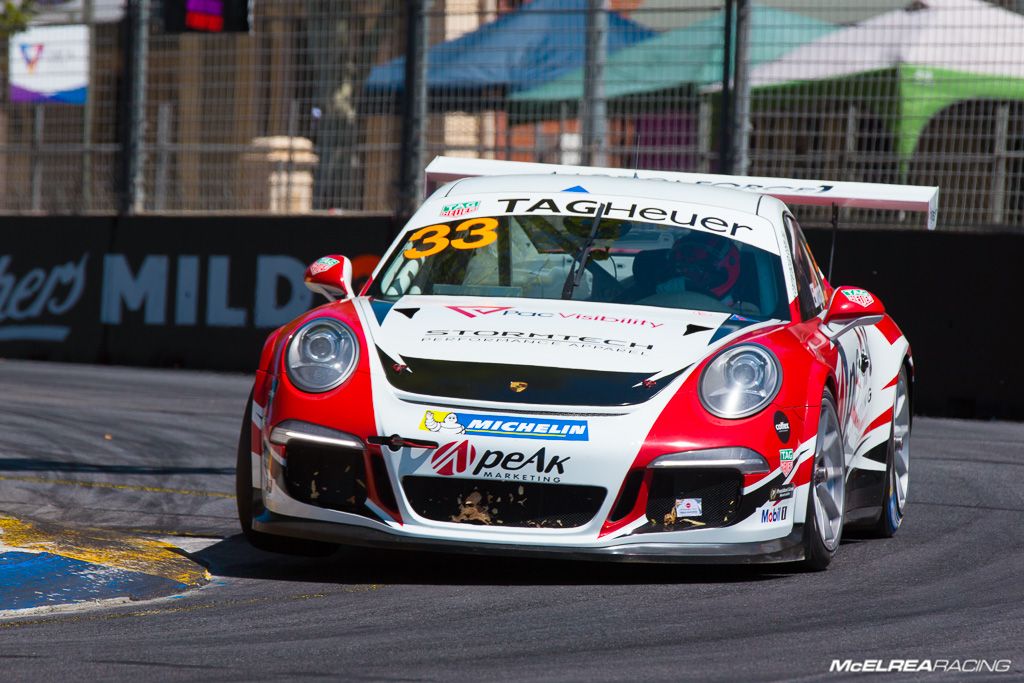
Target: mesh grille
x,y
717,489
326,477
503,503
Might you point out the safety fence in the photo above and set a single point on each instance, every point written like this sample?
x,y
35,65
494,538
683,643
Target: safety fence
x,y
316,108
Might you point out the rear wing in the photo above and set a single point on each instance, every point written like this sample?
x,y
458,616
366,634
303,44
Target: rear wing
x,y
918,198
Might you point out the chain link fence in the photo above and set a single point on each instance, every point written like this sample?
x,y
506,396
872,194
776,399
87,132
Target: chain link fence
x,y
306,112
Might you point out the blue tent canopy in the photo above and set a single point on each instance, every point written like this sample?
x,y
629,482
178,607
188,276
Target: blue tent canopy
x,y
519,50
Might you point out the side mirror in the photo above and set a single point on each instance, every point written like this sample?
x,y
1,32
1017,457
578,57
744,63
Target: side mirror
x,y
851,307
330,276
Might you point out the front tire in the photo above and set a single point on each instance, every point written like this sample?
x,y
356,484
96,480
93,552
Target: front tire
x,y
826,500
249,500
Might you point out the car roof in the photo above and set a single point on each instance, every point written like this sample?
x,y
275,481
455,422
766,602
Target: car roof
x,y
646,188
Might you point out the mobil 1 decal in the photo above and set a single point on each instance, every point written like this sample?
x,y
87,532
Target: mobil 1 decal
x,y
781,423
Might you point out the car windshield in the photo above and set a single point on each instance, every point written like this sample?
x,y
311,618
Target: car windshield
x,y
629,262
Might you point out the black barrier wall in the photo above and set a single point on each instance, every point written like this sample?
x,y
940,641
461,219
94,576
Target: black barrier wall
x,y
203,293
951,294
192,292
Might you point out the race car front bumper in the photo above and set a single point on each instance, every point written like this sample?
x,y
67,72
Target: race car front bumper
x,y
315,505
788,548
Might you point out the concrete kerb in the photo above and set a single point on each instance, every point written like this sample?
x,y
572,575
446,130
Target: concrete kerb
x,y
45,565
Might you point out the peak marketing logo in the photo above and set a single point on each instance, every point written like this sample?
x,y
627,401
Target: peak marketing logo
x,y
457,457
453,458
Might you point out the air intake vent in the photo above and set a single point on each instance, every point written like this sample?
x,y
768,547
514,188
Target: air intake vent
x,y
503,503
692,498
326,476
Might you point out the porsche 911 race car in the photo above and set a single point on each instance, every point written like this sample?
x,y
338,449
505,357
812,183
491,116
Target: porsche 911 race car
x,y
587,363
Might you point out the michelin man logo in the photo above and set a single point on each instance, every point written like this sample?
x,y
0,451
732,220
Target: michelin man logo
x,y
447,422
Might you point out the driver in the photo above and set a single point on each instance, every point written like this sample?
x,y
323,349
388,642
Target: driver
x,y
702,263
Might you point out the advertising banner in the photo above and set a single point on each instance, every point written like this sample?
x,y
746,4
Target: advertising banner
x,y
50,64
165,291
75,11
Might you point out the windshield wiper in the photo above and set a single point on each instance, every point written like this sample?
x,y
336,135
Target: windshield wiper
x,y
579,260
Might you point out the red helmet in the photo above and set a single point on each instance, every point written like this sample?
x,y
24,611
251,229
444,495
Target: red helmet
x,y
709,263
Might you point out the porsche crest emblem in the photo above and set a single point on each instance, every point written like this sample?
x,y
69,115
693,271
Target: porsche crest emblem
x,y
518,387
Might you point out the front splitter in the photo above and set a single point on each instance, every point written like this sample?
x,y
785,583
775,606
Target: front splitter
x,y
789,548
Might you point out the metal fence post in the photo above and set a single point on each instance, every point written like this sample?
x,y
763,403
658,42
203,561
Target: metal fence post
x,y
163,142
293,130
741,88
850,160
999,156
89,18
133,149
595,115
704,135
414,110
725,132
38,122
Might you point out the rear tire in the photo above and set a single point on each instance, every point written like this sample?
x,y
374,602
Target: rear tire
x,y
250,500
826,499
897,466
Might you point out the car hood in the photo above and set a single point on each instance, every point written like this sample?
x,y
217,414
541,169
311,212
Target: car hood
x,y
538,351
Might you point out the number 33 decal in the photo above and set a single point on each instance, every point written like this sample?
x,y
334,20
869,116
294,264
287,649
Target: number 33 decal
x,y
433,239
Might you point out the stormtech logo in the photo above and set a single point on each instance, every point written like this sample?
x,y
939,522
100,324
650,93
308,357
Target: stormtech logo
x,y
562,340
458,456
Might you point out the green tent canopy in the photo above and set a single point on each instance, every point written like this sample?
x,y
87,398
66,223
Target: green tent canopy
x,y
689,57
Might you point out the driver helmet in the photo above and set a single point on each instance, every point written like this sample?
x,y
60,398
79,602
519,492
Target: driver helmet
x,y
710,264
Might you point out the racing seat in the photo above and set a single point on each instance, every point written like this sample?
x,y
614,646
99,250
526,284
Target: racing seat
x,y
650,267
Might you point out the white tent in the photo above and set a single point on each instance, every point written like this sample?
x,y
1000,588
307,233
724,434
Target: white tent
x,y
938,52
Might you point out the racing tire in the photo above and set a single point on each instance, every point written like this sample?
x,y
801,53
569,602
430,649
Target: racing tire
x,y
249,499
897,464
826,499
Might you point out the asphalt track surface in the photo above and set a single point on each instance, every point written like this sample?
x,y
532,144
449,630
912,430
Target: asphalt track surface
x,y
152,451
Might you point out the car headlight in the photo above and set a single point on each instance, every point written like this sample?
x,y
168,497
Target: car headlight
x,y
740,381
322,355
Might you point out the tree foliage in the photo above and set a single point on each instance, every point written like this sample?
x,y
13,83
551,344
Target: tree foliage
x,y
15,15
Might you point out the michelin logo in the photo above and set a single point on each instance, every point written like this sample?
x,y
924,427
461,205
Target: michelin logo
x,y
515,427
448,423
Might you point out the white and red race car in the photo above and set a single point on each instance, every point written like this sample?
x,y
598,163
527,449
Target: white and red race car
x,y
589,363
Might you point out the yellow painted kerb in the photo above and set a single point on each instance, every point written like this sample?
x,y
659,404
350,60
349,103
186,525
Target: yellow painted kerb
x,y
104,548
